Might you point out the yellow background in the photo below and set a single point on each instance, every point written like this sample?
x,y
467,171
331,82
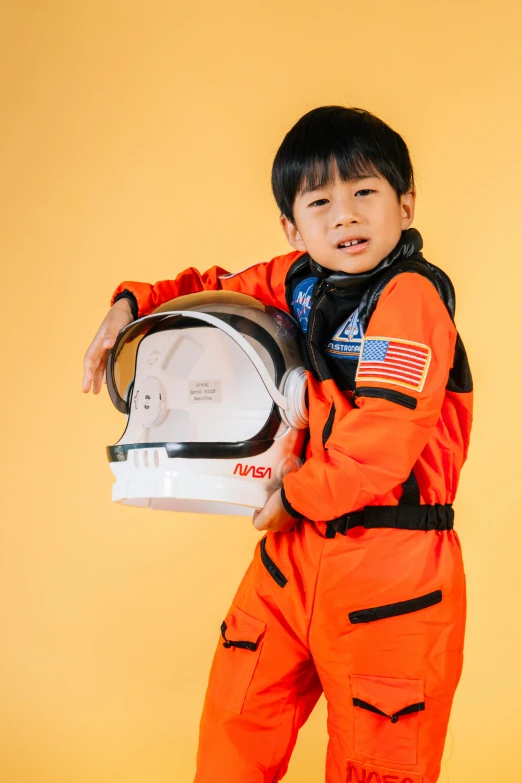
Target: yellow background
x,y
136,140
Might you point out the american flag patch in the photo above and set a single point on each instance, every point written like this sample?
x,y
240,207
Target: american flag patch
x,y
400,362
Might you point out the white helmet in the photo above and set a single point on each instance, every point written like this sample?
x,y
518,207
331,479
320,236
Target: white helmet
x,y
215,394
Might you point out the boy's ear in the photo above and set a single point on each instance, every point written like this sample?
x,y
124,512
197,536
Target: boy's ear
x,y
291,233
407,208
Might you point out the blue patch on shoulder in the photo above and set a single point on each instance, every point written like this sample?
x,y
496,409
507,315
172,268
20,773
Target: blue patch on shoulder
x,y
302,300
347,339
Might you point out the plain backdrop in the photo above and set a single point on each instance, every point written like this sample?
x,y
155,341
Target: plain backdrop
x,y
136,139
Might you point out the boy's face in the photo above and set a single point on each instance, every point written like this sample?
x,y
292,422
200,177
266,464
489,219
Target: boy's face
x,y
364,209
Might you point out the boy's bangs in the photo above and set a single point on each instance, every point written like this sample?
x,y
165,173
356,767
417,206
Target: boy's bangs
x,y
320,171
333,139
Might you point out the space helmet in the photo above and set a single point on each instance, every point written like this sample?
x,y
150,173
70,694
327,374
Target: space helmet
x,y
214,391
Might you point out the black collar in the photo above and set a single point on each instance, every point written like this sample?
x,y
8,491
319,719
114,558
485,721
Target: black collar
x,y
408,245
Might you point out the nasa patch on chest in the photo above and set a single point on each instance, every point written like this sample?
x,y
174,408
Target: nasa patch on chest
x,y
302,301
347,340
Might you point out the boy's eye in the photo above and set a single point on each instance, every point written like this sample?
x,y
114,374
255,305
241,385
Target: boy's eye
x,y
364,192
319,202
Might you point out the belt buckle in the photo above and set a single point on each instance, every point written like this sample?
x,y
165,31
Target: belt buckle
x,y
343,524
354,519
340,525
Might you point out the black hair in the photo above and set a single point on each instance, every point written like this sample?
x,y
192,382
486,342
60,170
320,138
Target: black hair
x,y
357,141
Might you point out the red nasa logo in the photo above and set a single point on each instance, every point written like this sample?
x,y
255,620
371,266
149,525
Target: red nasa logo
x,y
255,471
359,772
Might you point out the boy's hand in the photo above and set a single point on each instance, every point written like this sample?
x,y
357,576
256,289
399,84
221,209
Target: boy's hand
x,y
274,516
118,317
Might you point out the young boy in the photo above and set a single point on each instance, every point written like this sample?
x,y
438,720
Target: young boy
x,y
358,588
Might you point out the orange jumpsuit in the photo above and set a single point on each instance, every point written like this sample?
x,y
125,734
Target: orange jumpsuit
x,y
365,598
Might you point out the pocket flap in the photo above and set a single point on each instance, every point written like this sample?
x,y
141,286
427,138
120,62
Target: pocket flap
x,y
388,694
239,626
236,659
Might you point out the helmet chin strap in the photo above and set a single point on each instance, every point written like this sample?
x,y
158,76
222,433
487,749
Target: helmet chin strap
x,y
409,243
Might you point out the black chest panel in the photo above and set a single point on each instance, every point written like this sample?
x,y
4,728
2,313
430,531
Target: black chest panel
x,y
331,335
334,339
333,317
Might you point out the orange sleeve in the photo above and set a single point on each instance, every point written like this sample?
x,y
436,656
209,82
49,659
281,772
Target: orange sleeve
x,y
403,370
265,282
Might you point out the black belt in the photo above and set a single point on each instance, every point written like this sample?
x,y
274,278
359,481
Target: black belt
x,y
403,517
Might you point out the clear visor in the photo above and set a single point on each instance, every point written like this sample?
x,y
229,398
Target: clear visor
x,y
267,335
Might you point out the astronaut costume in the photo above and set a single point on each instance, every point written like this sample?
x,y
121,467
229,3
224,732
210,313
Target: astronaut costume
x,y
365,598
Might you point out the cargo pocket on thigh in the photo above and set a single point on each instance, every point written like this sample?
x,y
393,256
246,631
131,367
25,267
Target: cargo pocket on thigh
x,y
236,659
386,717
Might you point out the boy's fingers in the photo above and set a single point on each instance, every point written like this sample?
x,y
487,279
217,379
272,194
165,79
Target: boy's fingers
x,y
93,360
96,359
88,373
99,374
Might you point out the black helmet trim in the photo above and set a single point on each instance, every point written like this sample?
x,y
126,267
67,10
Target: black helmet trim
x,y
213,450
260,442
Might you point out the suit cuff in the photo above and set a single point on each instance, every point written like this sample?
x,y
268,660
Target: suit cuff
x,y
288,507
126,294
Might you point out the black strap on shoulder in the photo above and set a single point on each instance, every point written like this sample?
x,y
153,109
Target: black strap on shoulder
x,y
416,264
460,379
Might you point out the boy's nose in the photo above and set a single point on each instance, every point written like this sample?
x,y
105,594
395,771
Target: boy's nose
x,y
345,212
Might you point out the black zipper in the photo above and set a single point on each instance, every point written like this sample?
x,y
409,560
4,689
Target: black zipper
x,y
327,429
395,717
393,610
309,347
387,394
271,567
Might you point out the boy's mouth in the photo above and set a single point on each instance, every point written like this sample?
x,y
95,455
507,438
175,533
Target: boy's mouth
x,y
353,246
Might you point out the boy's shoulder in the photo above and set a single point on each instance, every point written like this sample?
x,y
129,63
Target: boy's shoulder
x,y
415,277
